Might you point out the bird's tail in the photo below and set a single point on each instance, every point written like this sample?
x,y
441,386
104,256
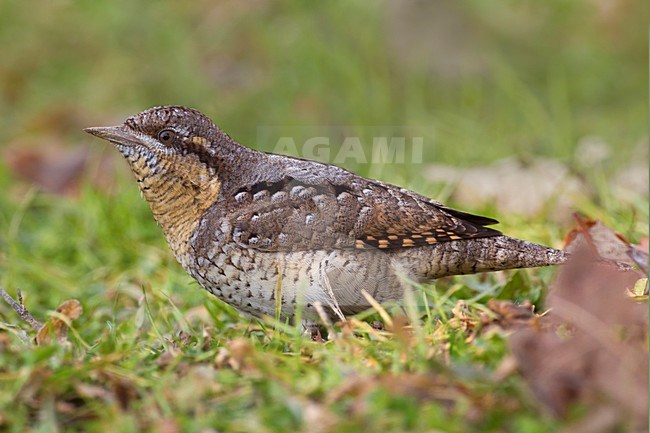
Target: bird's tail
x,y
490,254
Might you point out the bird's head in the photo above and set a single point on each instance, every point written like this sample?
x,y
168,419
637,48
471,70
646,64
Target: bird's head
x,y
161,134
175,154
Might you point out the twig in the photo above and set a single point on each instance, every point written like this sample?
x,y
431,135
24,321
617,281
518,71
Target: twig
x,y
20,308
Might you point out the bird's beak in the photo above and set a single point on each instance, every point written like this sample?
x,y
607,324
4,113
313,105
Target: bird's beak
x,y
117,134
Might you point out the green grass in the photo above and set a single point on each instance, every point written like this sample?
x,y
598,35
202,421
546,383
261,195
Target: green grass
x,y
153,350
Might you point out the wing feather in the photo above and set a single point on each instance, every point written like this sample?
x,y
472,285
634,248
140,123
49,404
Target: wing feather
x,y
289,214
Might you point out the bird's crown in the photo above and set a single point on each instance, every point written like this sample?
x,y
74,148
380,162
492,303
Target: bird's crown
x,y
176,128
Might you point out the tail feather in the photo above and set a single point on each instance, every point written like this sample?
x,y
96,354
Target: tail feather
x,y
489,254
515,253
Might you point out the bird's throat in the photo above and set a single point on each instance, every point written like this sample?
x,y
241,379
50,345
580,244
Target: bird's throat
x,y
178,192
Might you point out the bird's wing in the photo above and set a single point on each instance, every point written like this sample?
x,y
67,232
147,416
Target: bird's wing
x,y
403,219
288,214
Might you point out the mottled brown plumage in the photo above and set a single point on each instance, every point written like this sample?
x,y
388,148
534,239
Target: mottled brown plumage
x,y
244,223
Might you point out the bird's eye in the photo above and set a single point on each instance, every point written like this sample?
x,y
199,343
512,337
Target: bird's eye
x,y
166,136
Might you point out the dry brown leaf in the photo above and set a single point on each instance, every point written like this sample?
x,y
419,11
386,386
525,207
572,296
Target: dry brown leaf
x,y
57,325
235,355
402,331
511,315
55,171
593,348
167,358
604,243
463,318
59,169
501,314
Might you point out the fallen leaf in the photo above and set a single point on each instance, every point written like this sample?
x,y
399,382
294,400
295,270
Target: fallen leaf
x,y
235,355
167,358
60,169
592,349
504,314
463,317
511,315
58,324
604,243
55,171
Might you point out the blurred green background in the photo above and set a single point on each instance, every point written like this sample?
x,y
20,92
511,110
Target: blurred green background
x,y
493,79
